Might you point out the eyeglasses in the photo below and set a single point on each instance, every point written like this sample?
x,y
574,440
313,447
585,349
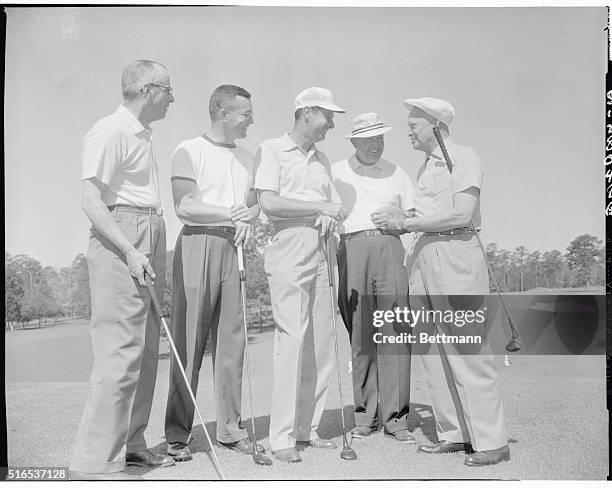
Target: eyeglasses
x,y
167,89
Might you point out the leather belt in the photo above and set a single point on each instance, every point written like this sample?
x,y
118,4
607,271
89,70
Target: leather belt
x,y
223,230
451,232
365,233
139,210
288,224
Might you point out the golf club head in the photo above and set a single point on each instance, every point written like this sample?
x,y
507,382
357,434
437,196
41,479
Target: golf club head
x,y
262,459
348,454
514,345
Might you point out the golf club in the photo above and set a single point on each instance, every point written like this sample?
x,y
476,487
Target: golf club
x,y
258,457
158,310
347,452
515,343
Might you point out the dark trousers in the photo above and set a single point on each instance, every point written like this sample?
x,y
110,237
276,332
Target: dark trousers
x,y
372,277
206,303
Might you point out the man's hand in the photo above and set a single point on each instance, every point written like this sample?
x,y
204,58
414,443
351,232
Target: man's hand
x,y
243,234
333,210
388,217
327,224
241,213
138,264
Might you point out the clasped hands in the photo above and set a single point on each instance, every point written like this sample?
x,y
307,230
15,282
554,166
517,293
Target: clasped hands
x,y
391,217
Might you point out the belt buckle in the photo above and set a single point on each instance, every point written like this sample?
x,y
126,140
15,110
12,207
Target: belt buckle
x,y
370,232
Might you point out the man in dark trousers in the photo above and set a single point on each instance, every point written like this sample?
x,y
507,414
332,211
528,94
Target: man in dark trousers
x,y
372,277
212,181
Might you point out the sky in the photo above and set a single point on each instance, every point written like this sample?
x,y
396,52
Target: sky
x,y
527,85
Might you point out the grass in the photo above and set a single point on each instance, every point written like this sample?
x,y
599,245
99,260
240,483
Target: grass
x,y
555,413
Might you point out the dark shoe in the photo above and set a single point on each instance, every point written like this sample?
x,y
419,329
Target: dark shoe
x,y
445,447
245,446
119,476
403,436
148,458
362,431
320,443
179,451
484,458
289,455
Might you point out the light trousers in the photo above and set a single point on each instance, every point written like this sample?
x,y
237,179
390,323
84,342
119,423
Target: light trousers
x,y
125,343
303,339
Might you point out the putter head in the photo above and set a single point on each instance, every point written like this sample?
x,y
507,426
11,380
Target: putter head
x,y
514,345
348,454
262,459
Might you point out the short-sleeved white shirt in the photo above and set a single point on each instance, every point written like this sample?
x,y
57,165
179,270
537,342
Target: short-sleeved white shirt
x,y
364,189
223,173
283,167
118,151
433,188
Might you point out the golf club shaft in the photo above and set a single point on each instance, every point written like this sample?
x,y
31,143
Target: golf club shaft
x,y
246,338
515,333
516,339
158,311
330,274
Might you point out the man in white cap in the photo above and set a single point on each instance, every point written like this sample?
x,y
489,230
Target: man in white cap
x,y
296,192
447,260
372,277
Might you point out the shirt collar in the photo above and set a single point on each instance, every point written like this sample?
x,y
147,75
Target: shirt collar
x,y
355,164
220,144
132,121
287,144
437,153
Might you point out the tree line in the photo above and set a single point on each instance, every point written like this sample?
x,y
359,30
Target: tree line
x,y
34,292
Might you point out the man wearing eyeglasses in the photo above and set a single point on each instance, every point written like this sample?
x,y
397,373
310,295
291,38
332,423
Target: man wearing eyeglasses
x,y
212,186
120,196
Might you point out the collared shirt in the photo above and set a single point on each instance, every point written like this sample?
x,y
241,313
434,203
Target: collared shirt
x,y
364,189
435,188
118,151
223,173
283,167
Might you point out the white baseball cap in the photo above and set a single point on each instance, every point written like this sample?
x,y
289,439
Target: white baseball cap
x,y
317,97
439,109
368,125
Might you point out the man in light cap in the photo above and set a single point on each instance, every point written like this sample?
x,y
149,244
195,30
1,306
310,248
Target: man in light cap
x,y
296,192
447,260
372,277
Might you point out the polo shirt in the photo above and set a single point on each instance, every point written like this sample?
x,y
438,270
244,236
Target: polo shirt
x,y
118,151
283,167
364,189
223,173
435,187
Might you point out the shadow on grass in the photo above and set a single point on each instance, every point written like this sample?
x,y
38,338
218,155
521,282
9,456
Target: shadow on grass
x,y
330,427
